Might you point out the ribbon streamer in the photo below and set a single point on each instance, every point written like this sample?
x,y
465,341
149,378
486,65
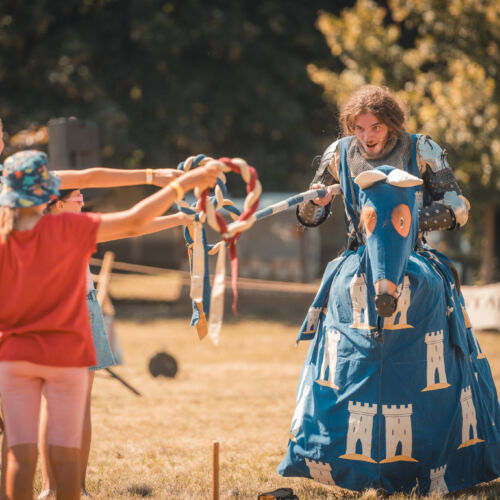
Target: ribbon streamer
x,y
217,296
197,264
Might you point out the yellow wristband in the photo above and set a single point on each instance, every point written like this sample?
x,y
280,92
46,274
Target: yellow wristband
x,y
149,176
178,189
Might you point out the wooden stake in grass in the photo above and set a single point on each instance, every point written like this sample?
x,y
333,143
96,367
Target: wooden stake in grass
x,y
104,277
215,470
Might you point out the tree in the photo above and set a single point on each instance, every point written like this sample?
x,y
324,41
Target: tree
x,y
442,59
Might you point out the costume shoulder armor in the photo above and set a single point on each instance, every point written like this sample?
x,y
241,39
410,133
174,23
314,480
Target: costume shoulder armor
x,y
309,214
330,150
449,209
430,155
329,164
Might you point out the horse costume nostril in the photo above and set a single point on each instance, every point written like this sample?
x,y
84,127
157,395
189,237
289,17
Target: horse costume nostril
x,y
385,286
385,305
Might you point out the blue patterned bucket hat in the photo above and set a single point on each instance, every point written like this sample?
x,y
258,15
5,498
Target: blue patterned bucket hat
x,y
26,180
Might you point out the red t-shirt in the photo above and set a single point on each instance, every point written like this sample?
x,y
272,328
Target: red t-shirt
x,y
43,308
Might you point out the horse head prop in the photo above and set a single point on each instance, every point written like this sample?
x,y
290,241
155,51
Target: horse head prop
x,y
389,222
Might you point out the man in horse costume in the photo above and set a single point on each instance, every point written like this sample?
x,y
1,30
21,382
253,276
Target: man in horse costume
x,y
395,392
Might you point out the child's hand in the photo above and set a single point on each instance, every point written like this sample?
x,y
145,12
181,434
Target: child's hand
x,y
202,177
184,219
163,176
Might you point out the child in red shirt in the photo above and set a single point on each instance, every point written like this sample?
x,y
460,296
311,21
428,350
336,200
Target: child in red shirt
x,y
71,200
45,339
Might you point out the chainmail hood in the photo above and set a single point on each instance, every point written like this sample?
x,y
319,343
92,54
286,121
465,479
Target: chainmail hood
x,y
397,153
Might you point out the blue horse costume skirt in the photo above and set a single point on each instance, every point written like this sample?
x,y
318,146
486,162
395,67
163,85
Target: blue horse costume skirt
x,y
418,410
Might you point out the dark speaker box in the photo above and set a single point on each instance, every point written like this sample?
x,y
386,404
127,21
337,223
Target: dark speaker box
x,y
73,144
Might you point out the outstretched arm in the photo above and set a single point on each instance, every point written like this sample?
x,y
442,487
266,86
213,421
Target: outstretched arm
x,y
100,177
137,218
156,225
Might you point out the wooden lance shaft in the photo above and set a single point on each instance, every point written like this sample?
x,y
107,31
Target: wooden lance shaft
x,y
215,470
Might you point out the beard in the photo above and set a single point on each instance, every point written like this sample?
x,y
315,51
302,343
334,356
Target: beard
x,y
387,147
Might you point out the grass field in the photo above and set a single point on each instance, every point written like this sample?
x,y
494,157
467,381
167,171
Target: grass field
x,y
241,393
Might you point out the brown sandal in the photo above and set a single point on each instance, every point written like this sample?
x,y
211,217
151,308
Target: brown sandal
x,y
280,493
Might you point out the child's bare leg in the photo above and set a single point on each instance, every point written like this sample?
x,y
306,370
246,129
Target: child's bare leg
x,y
66,466
4,468
48,478
21,464
87,432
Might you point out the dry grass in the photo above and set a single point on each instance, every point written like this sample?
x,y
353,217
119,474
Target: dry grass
x,y
241,393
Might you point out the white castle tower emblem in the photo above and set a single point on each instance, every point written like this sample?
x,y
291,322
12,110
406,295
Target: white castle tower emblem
x,y
399,320
360,430
302,395
438,484
357,289
469,420
313,316
320,471
398,430
435,362
332,338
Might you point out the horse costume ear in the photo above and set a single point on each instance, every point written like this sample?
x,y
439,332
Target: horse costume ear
x,y
400,178
369,178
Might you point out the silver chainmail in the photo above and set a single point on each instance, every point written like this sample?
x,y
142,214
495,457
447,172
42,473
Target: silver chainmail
x,y
398,155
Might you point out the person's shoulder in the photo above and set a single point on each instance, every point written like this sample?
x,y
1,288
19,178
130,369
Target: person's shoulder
x,y
431,154
341,140
70,219
52,219
426,143
331,148
89,215
94,217
334,147
82,216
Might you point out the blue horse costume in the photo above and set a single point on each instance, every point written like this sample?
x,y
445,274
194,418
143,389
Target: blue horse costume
x,y
398,400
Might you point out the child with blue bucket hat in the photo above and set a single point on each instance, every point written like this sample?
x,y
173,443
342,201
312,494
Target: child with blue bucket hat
x,y
71,200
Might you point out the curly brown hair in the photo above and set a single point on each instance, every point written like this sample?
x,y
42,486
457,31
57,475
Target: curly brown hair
x,y
376,100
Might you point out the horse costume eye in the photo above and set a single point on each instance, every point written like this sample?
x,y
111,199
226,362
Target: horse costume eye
x,y
369,219
401,219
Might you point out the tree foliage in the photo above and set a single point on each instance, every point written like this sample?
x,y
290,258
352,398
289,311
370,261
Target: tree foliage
x,y
168,79
442,59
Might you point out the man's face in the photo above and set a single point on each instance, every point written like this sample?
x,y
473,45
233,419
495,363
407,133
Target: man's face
x,y
372,134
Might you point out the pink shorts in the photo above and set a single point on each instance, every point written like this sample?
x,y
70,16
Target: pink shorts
x,y
21,387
